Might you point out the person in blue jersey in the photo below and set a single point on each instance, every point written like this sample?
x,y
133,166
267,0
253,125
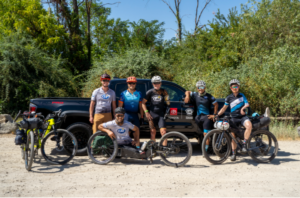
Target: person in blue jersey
x,y
131,100
203,101
238,103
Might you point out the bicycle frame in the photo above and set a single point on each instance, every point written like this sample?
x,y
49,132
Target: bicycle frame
x,y
51,123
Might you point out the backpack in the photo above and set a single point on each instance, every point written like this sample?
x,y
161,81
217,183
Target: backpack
x,y
102,141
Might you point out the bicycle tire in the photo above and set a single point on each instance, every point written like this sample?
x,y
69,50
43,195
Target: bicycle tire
x,y
22,151
166,159
270,138
67,139
29,151
207,156
112,151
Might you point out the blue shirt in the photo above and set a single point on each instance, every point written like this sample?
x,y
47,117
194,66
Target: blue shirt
x,y
131,101
236,104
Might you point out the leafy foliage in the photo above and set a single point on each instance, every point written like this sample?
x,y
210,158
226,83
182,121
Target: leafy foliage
x,y
27,72
141,63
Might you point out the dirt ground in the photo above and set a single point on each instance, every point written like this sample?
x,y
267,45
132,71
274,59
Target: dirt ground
x,y
128,177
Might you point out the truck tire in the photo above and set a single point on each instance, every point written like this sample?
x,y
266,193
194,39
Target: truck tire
x,y
82,132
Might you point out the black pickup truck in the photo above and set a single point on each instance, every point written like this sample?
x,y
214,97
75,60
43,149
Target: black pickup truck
x,y
76,111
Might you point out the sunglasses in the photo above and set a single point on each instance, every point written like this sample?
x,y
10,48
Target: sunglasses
x,y
131,83
235,87
120,116
157,83
105,80
201,87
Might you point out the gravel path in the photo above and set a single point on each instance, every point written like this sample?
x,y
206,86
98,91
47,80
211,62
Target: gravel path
x,y
128,177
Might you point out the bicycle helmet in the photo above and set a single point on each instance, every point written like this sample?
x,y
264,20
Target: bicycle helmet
x,y
156,79
131,79
120,110
200,83
105,77
234,81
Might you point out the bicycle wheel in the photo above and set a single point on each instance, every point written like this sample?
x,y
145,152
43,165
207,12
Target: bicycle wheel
x,y
218,145
29,151
221,152
22,147
55,144
178,150
101,148
262,146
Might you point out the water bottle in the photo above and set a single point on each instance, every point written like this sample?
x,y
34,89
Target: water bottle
x,y
144,146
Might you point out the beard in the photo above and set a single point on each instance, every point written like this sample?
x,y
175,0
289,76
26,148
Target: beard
x,y
119,122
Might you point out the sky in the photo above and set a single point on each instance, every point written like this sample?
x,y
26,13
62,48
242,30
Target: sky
x,y
134,10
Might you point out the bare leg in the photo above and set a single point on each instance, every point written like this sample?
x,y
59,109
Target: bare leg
x,y
163,131
233,144
153,134
136,136
248,126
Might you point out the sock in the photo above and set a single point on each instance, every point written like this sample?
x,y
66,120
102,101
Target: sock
x,y
233,151
245,140
206,147
138,147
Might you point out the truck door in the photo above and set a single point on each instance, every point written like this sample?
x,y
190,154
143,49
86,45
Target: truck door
x,y
181,115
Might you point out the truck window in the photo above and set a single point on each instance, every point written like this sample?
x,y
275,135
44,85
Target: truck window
x,y
120,87
175,94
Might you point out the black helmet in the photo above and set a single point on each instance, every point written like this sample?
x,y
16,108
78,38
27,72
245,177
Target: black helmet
x,y
120,110
105,77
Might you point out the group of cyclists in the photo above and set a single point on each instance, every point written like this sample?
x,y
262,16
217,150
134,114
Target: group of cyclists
x,y
132,103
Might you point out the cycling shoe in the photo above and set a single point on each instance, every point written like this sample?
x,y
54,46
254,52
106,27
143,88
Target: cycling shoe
x,y
233,157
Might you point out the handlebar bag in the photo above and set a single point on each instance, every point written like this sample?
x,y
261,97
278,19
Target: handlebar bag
x,y
31,123
21,137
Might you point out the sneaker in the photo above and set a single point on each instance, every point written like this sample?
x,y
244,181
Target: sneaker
x,y
244,149
233,157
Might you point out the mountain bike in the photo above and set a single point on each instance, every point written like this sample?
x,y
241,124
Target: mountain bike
x,y
262,146
58,146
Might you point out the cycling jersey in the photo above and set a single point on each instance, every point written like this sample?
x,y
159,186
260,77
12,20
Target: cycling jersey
x,y
236,104
203,103
157,102
131,101
121,132
103,100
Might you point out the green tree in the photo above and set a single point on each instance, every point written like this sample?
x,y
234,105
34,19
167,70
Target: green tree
x,y
27,72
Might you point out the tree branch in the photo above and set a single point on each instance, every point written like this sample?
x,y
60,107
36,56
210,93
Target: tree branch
x,y
169,6
197,20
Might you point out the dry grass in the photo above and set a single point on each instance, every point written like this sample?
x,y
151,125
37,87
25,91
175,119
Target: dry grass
x,y
284,130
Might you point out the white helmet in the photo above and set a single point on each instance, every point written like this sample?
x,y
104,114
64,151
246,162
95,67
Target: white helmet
x,y
156,79
200,83
234,81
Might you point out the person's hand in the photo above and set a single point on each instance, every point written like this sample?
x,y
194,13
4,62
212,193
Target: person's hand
x,y
211,117
91,119
149,117
111,135
187,93
242,112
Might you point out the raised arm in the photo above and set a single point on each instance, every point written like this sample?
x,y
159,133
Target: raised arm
x,y
187,96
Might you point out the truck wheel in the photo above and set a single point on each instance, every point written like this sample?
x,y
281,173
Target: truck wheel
x,y
82,132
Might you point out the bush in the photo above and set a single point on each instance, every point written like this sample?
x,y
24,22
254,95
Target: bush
x,y
141,63
27,72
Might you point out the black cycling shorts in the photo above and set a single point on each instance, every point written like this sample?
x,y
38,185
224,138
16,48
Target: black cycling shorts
x,y
239,121
203,122
158,120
